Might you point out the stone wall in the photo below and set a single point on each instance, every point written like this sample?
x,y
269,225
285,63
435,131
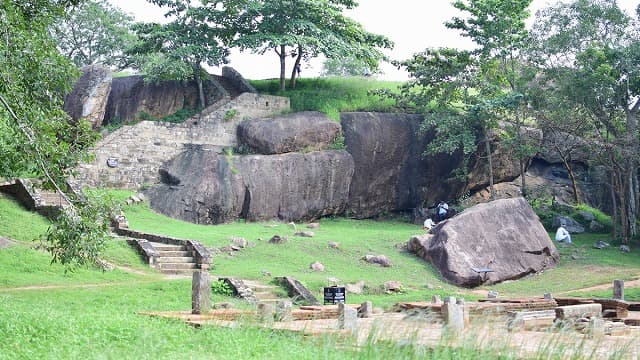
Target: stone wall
x,y
132,155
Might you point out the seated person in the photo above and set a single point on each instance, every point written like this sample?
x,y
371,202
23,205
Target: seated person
x,y
562,235
428,225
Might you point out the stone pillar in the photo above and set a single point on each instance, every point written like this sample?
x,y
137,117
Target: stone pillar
x,y
453,314
347,317
435,299
618,289
548,296
266,313
283,310
465,311
596,328
366,309
200,292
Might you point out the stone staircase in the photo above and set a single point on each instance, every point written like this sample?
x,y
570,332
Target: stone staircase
x,y
29,193
265,293
174,259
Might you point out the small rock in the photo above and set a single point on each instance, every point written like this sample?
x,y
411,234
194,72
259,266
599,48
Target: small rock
x,y
430,286
601,244
334,245
393,286
265,273
305,234
625,248
104,265
235,248
595,226
333,281
128,202
316,266
492,294
223,305
276,239
381,260
260,239
226,249
240,242
313,226
574,257
355,289
141,196
135,199
587,216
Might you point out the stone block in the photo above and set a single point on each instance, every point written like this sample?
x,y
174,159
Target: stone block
x,y
366,309
200,292
347,317
266,313
283,311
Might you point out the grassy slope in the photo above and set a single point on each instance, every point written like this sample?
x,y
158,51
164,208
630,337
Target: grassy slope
x,y
332,95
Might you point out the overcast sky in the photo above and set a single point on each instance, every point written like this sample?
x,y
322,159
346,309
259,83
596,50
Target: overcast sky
x,y
413,25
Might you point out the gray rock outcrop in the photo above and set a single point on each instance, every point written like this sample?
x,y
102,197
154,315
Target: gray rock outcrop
x,y
289,133
203,187
88,100
390,171
505,236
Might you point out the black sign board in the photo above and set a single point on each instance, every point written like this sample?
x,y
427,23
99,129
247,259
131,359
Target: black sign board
x,y
335,295
112,162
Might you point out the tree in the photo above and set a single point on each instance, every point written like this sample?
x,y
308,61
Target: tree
x,y
464,94
344,67
304,29
36,138
594,64
196,35
94,32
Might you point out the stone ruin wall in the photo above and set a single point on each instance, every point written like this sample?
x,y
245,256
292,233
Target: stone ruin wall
x,y
141,149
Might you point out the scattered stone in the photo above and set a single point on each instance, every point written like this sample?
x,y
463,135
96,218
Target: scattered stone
x,y
430,286
104,265
313,226
366,310
595,226
316,266
305,234
381,260
334,245
128,202
347,317
265,273
283,310
135,199
224,305
235,248
492,294
355,289
140,196
293,226
587,216
435,299
548,296
574,257
276,239
625,248
333,281
5,243
393,286
601,245
240,242
266,312
227,248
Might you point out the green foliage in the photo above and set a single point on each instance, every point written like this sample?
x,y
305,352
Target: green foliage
x,y
94,32
345,67
338,143
18,224
230,115
221,287
78,236
333,95
306,29
180,116
145,116
599,216
35,134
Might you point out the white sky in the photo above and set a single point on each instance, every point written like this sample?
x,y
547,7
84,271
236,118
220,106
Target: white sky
x,y
413,25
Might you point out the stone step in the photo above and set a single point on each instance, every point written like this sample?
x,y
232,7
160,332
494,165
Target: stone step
x,y
262,288
167,247
175,253
177,266
175,259
265,295
270,301
186,272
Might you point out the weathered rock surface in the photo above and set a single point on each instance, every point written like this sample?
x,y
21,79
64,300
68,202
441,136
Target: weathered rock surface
x,y
390,172
88,100
504,235
206,188
293,132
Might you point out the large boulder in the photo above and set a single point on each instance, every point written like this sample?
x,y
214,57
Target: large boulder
x,y
390,171
289,133
203,187
504,236
88,100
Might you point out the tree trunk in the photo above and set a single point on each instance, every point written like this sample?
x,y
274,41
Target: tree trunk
x,y
283,56
294,72
614,205
572,176
523,182
197,72
487,145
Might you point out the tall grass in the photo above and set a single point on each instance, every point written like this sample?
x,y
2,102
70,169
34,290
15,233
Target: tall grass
x,y
332,95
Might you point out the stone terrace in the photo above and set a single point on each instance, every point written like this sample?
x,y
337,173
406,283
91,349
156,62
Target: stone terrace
x,y
138,151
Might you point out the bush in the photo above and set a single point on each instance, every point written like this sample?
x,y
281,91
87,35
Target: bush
x,y
221,287
599,216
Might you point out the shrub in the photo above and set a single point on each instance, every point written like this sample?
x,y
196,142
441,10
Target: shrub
x,y
221,287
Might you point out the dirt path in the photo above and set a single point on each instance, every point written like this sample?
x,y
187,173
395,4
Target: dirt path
x,y
630,283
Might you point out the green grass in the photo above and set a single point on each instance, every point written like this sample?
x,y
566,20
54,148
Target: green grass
x,y
17,223
332,95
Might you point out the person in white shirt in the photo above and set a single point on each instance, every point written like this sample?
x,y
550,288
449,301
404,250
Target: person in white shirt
x,y
443,208
562,235
428,224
